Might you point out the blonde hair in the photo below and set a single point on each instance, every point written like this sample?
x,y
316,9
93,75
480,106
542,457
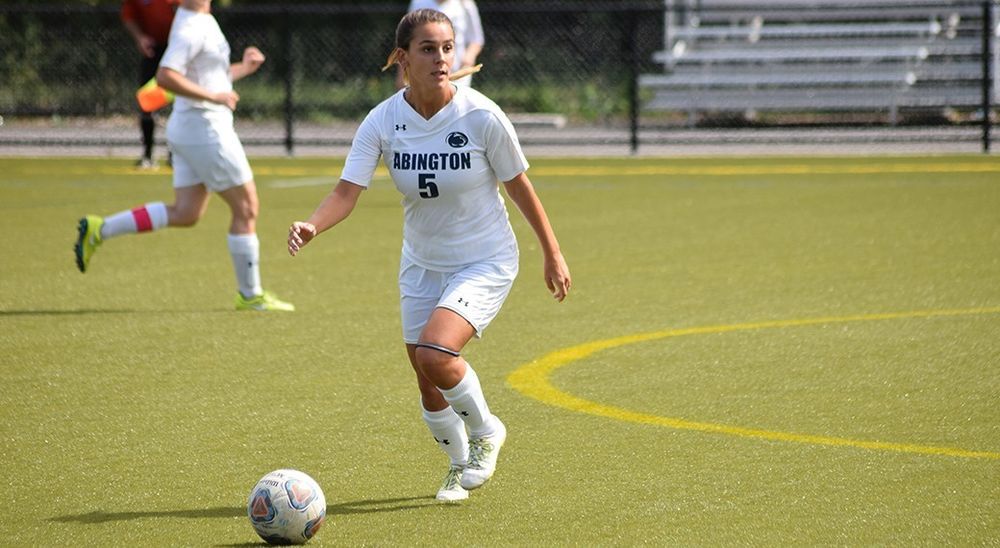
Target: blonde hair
x,y
404,34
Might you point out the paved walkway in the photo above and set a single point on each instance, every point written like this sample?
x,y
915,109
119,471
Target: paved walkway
x,y
119,137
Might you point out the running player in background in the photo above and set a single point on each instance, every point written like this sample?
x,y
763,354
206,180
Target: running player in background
x,y
148,23
446,148
207,153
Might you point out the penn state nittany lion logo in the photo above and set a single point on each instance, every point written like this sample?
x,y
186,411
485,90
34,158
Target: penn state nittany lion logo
x,y
457,139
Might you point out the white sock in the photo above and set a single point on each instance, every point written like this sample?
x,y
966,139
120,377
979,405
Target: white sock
x,y
145,218
467,399
449,433
245,251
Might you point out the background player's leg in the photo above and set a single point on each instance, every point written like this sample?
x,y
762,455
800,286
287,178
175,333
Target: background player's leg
x,y
244,248
147,125
189,205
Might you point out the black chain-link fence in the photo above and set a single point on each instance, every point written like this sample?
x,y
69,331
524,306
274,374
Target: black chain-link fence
x,y
628,73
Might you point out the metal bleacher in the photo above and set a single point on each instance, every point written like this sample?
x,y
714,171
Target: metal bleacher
x,y
881,56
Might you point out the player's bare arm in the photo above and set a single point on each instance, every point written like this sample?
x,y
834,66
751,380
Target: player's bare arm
x,y
336,207
556,272
253,58
143,42
173,81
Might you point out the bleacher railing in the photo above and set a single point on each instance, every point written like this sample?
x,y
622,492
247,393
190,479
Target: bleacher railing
x,y
629,73
779,63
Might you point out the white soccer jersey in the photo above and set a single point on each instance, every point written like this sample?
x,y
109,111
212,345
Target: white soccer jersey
x,y
448,169
198,50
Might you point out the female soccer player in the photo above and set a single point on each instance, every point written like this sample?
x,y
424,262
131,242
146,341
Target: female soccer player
x,y
446,148
207,154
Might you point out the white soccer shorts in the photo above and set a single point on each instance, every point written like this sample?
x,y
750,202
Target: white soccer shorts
x,y
476,293
207,151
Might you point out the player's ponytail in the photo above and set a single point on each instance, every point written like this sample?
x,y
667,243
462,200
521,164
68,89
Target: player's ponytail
x,y
392,60
465,72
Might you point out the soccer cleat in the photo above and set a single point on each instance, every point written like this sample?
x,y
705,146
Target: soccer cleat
x,y
451,490
88,240
146,163
263,302
483,452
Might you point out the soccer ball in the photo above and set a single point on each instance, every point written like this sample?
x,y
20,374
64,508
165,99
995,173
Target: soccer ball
x,y
286,507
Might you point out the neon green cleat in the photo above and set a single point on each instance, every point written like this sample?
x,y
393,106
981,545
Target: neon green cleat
x,y
263,302
88,240
483,453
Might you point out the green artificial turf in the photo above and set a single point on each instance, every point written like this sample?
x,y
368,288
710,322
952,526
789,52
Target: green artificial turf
x,y
138,408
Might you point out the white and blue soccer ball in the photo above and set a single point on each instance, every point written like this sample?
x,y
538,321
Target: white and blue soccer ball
x,y
286,507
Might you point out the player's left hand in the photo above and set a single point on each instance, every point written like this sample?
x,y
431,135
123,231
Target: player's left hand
x,y
557,277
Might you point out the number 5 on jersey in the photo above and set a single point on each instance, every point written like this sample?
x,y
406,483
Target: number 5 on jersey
x,y
428,188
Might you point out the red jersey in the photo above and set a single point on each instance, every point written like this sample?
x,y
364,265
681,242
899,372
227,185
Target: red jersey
x,y
153,16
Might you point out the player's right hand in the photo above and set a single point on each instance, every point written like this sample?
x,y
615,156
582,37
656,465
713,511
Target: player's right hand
x,y
228,98
299,234
147,46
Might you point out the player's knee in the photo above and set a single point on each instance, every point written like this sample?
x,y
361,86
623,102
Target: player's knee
x,y
426,358
246,210
183,216
432,360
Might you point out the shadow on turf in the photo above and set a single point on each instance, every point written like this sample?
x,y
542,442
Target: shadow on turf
x,y
344,508
63,312
88,311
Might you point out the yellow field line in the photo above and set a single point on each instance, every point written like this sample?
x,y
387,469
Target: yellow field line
x,y
776,169
624,170
532,380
